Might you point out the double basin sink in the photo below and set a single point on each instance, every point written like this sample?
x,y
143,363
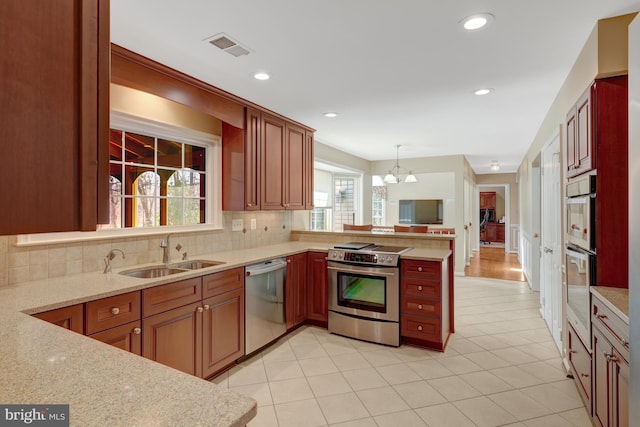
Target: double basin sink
x,y
166,270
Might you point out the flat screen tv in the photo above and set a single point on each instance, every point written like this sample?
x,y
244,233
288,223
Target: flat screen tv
x,y
420,211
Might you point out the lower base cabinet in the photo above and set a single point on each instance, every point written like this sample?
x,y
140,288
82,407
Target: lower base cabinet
x,y
317,288
295,290
71,317
127,337
580,360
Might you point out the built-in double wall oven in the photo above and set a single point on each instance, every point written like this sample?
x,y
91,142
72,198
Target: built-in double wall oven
x,y
580,253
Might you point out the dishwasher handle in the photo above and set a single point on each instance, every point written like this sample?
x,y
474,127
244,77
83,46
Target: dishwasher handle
x,y
265,267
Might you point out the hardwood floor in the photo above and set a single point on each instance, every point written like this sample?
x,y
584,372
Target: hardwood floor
x,y
496,264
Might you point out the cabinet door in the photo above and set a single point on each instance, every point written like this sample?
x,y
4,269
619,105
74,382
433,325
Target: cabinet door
x,y
295,290
583,140
222,331
601,375
620,390
55,115
309,168
71,318
253,134
571,142
295,160
174,338
499,233
272,176
127,337
491,232
317,287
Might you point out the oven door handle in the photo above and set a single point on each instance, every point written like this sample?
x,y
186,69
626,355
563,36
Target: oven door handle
x,y
575,254
350,270
577,200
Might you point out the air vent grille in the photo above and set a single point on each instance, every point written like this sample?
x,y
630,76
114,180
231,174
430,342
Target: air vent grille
x,y
228,44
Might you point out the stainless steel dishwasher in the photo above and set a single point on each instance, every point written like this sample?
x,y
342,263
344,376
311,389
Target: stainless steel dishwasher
x,y
264,303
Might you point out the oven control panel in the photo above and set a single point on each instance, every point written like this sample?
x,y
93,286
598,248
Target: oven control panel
x,y
367,258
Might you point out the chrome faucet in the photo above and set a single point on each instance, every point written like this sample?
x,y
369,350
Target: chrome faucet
x,y
166,258
110,256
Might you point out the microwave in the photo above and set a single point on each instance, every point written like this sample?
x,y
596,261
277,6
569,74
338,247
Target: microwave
x,y
581,212
580,268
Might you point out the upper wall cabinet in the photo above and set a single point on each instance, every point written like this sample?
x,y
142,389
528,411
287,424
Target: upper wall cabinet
x,y
55,118
269,166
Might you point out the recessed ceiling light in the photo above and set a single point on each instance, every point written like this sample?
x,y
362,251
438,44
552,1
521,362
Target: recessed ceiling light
x,y
477,21
483,91
495,166
261,76
330,115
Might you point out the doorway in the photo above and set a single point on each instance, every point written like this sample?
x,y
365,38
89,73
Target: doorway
x,y
498,216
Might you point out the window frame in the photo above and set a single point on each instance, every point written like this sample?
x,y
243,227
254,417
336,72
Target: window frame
x,y
213,189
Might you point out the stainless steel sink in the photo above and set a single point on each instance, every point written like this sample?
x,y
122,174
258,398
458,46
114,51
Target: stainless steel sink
x,y
153,271
196,264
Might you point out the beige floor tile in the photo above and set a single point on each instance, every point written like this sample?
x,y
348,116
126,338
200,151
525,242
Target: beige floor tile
x,y
485,382
350,361
309,351
328,384
557,397
515,376
544,371
445,415
577,417
429,369
260,392
281,370
490,342
382,400
408,353
484,412
317,366
290,390
459,364
280,352
362,422
243,375
342,407
487,360
398,374
464,346
303,413
520,405
514,356
338,347
362,379
266,417
541,351
553,420
222,380
381,357
302,337
419,394
453,388
366,346
404,419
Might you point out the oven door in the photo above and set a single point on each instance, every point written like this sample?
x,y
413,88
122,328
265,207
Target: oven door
x,y
581,274
363,291
581,221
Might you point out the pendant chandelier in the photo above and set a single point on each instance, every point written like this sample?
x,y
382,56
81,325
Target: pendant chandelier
x,y
395,175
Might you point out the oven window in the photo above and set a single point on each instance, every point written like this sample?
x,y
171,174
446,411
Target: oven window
x,y
362,292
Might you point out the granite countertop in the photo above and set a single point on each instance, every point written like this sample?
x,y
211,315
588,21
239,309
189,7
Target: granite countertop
x,y
616,299
43,363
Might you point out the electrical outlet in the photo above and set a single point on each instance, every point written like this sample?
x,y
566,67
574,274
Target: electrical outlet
x,y
253,223
236,225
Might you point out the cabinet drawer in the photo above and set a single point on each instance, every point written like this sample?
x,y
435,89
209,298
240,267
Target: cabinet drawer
x,y
166,297
424,328
420,288
612,326
420,306
225,281
422,269
580,360
113,311
127,337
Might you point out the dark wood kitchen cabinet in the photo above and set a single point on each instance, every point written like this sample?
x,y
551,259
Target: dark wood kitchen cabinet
x,y
272,163
317,288
580,360
55,120
487,200
71,317
127,337
295,293
223,322
116,321
610,366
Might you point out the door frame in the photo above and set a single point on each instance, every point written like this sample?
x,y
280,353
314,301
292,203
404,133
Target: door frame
x,y
507,214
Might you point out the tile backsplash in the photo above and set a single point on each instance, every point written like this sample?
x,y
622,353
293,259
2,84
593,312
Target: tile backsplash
x,y
28,263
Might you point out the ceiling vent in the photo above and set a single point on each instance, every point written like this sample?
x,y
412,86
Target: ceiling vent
x,y
226,43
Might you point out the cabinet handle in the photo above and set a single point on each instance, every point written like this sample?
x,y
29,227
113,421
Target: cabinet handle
x,y
419,306
200,309
625,343
137,331
420,328
420,288
115,310
610,357
249,204
601,316
207,306
419,268
584,375
573,351
289,260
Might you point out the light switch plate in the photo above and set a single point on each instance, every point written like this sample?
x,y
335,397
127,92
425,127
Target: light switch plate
x,y
253,223
236,225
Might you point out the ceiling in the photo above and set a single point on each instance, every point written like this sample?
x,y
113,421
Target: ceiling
x,y
396,72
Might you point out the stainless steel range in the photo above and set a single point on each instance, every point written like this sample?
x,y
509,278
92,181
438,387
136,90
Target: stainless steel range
x,y
364,291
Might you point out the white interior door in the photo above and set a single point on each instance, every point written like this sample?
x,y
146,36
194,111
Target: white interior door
x,y
551,226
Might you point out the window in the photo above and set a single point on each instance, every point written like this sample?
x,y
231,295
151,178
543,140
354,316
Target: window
x,y
337,198
378,199
155,181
